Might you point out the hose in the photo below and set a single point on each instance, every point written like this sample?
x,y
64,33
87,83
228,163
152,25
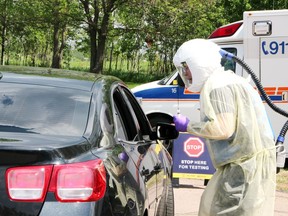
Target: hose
x,y
258,84
280,150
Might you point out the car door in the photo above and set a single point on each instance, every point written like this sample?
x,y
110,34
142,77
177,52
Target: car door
x,y
156,149
133,134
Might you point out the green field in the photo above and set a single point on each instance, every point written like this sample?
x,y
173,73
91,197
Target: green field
x,y
54,72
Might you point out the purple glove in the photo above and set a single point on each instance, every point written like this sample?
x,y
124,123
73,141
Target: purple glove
x,y
123,156
181,122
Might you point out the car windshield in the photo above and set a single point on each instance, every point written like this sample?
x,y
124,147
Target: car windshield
x,y
43,110
166,79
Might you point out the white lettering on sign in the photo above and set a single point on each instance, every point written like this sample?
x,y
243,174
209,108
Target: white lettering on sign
x,y
187,161
183,167
199,167
201,162
192,146
193,165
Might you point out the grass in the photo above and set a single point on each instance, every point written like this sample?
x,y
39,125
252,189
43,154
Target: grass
x,y
132,85
47,72
54,72
282,181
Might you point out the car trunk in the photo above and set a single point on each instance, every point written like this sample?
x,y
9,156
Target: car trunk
x,y
25,150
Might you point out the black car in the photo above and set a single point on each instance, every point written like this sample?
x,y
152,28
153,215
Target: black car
x,y
79,147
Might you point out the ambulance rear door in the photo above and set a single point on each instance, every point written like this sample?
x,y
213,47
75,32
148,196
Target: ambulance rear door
x,y
266,52
266,45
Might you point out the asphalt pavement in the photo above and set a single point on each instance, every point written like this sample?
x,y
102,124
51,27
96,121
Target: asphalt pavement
x,y
187,198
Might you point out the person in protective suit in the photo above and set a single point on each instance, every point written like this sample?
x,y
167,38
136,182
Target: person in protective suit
x,y
238,134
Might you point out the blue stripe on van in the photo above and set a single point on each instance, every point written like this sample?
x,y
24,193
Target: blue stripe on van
x,y
166,92
171,92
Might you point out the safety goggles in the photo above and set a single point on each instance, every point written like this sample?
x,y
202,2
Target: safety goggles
x,y
182,70
184,64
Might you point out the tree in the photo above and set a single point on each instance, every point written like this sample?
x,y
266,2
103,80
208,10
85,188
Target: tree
x,y
23,34
6,14
61,15
59,32
98,23
33,31
164,26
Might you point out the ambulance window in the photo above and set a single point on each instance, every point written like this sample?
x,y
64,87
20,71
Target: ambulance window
x,y
229,64
166,79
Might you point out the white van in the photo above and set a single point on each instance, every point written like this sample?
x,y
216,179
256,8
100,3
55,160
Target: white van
x,y
261,40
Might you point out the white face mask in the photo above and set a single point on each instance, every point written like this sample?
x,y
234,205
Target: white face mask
x,y
202,57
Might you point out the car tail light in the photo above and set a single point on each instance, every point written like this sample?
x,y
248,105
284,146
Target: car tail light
x,y
79,182
28,183
76,182
225,31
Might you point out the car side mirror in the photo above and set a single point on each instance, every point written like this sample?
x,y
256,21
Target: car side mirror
x,y
165,131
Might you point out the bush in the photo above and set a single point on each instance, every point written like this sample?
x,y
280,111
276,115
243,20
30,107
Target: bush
x,y
135,77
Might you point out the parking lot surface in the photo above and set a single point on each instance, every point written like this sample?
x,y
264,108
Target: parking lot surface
x,y
187,198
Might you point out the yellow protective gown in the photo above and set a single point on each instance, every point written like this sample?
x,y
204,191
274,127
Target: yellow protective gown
x,y
239,139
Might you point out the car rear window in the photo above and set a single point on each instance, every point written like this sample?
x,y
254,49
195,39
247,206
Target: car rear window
x,y
43,109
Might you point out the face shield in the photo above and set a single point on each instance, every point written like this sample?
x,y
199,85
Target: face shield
x,y
184,72
201,57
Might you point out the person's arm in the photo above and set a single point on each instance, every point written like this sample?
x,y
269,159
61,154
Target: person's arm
x,y
220,122
222,127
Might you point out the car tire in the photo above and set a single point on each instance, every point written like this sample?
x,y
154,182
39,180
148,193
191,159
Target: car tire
x,y
166,206
170,200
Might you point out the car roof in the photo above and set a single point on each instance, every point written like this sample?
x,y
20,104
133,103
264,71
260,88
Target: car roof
x,y
46,80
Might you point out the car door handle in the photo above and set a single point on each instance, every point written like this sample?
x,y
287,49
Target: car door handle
x,y
145,172
157,167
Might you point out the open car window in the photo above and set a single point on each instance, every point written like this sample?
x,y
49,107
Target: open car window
x,y
131,121
126,127
142,120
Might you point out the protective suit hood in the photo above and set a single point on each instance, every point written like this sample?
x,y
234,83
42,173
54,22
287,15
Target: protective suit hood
x,y
202,57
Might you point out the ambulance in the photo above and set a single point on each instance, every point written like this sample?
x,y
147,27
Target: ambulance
x,y
260,40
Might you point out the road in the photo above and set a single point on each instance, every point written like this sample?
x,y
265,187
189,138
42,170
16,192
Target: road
x,y
187,198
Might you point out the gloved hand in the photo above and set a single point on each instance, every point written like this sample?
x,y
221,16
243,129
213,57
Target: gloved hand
x,y
181,122
123,156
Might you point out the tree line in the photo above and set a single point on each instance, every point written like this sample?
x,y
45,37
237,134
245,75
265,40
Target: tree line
x,y
110,32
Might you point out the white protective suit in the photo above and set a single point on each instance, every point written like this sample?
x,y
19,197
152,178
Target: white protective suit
x,y
238,133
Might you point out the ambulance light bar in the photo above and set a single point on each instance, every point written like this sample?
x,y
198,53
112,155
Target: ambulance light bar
x,y
226,31
262,28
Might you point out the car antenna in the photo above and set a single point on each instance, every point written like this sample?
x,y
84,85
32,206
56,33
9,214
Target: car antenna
x,y
178,89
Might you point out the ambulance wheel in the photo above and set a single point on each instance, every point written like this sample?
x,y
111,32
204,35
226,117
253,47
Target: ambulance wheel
x,y
168,144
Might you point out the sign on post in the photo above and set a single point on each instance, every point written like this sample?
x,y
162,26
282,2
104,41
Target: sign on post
x,y
194,147
191,158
